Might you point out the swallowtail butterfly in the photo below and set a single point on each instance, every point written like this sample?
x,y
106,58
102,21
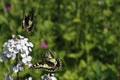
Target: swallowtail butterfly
x,y
48,63
28,21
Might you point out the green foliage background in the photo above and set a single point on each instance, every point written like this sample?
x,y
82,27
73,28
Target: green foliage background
x,y
84,34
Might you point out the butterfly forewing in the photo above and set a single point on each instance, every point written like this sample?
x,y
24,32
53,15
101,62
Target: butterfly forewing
x,y
48,54
30,21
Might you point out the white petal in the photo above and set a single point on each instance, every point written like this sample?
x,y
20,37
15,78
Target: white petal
x,y
26,39
31,45
21,36
30,49
2,58
25,48
10,49
13,56
18,46
15,69
24,60
53,78
13,36
8,77
15,51
26,52
21,68
29,58
9,55
5,51
30,78
23,55
5,44
29,65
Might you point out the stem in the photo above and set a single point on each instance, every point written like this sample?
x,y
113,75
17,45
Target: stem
x,y
17,75
77,45
17,60
4,9
118,63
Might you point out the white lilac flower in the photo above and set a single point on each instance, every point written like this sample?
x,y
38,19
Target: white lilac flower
x,y
8,77
26,60
53,77
29,78
23,55
18,67
48,77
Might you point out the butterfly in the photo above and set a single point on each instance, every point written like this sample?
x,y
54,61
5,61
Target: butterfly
x,y
48,63
28,21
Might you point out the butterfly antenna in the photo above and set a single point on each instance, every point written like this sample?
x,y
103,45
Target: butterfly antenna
x,y
23,10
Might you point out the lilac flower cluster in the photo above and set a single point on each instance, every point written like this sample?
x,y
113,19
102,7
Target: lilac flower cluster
x,y
17,46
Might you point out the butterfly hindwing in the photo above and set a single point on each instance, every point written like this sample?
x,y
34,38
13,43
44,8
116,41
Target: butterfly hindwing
x,y
47,66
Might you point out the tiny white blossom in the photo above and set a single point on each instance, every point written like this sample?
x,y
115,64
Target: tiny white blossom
x,y
2,58
30,44
29,58
26,60
17,67
53,77
8,77
13,36
48,77
5,44
30,49
23,55
26,52
21,36
29,65
25,48
18,46
29,78
8,55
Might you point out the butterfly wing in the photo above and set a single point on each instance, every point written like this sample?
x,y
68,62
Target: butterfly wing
x,y
48,65
28,21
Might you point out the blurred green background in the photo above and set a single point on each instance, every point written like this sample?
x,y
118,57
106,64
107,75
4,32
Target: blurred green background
x,y
84,34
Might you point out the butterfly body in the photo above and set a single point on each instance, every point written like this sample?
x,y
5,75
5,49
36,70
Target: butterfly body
x,y
49,63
